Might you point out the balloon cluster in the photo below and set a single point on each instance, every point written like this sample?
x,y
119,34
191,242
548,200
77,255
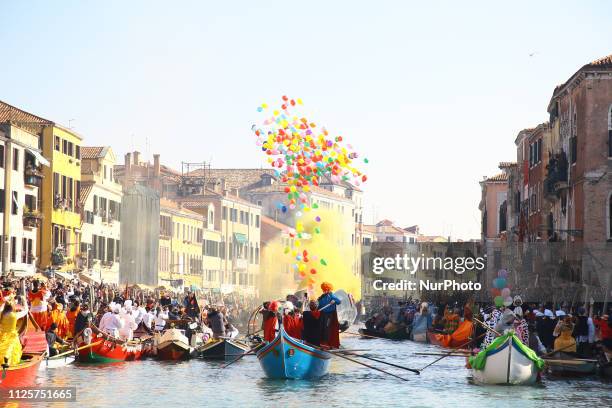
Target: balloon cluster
x,y
501,291
303,155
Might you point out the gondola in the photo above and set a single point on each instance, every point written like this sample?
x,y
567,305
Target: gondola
x,y
107,349
506,361
289,358
567,365
173,345
223,348
400,334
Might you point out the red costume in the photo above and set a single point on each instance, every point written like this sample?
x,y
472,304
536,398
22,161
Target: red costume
x,y
270,321
293,326
39,308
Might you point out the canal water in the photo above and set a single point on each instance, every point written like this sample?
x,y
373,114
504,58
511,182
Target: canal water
x,y
201,383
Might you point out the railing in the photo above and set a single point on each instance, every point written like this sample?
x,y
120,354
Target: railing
x,y
557,176
32,219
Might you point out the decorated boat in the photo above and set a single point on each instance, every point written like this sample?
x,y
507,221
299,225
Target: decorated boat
x,y
286,357
567,365
173,345
106,349
506,361
223,348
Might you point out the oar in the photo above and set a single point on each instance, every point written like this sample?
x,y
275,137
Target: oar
x,y
452,351
355,361
486,327
251,351
385,362
75,350
555,351
367,335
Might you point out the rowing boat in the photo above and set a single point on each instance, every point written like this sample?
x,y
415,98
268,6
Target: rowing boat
x,y
57,362
173,345
219,349
106,349
22,374
400,334
567,365
289,358
506,361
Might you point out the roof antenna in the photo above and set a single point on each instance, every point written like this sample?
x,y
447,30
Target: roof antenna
x,y
70,123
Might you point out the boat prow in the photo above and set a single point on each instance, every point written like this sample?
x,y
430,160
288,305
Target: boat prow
x,y
286,357
173,345
22,374
220,349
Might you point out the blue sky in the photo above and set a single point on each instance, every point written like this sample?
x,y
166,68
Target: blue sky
x,y
433,93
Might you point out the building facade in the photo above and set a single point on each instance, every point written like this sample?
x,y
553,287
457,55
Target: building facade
x,y
100,197
21,175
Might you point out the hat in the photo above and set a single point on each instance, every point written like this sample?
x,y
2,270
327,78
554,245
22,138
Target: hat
x,y
273,306
560,313
327,287
548,313
288,306
517,300
537,313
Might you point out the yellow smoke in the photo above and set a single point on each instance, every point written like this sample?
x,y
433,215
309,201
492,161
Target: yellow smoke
x,y
332,244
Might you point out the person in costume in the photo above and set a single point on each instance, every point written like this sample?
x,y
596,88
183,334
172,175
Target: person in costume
x,y
563,333
10,346
71,316
330,327
58,317
38,300
270,321
292,322
311,324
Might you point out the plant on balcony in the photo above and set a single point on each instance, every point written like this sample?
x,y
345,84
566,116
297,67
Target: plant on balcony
x,y
58,257
31,218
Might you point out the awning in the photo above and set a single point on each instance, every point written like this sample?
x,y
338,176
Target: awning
x,y
240,238
39,157
88,278
63,275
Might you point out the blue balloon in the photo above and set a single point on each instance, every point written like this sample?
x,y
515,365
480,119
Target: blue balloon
x,y
499,283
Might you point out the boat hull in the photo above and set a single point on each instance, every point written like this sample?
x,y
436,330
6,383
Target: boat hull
x,y
507,365
53,362
109,351
220,349
21,375
565,365
397,335
173,351
288,358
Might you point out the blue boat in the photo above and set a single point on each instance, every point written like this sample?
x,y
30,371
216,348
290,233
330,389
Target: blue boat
x,y
286,357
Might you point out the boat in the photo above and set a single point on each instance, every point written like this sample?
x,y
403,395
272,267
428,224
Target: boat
x,y
289,358
222,348
400,334
460,337
173,345
107,349
22,374
506,361
57,362
567,365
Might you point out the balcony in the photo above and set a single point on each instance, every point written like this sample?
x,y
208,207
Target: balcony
x,y
240,263
31,219
557,176
32,176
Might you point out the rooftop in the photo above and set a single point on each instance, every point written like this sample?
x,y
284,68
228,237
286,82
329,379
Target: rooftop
x,y
29,121
497,178
93,152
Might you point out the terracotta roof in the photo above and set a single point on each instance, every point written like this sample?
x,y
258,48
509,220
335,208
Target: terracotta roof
x,y
603,63
414,229
198,199
498,177
93,152
505,165
273,223
21,118
86,188
384,222
164,203
387,229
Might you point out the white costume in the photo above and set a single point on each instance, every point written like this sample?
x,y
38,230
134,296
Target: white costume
x,y
160,320
128,323
111,323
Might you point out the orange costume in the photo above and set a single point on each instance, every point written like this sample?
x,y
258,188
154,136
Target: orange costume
x,y
71,316
459,337
38,302
58,317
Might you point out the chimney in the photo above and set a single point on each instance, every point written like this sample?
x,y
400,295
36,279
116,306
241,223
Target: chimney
x,y
222,188
136,158
156,165
127,163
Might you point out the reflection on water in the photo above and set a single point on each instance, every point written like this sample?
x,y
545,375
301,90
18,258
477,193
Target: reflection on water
x,y
198,383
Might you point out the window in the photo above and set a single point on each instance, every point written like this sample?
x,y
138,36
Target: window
x,y
30,202
224,213
14,207
110,253
573,149
65,146
78,152
1,204
58,143
15,159
13,249
1,156
257,221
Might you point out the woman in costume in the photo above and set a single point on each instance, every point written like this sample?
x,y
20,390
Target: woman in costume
x,y
10,346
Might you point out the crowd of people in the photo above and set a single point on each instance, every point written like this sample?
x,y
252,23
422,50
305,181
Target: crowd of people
x,y
543,327
64,308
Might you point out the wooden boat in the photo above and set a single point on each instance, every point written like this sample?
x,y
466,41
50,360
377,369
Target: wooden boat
x,y
506,361
173,345
222,349
57,362
567,365
400,334
22,374
286,357
107,349
420,337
